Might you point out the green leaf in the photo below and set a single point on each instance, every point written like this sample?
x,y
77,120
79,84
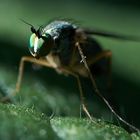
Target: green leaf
x,y
18,122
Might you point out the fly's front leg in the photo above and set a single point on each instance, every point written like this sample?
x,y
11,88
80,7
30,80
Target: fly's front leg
x,y
42,62
24,59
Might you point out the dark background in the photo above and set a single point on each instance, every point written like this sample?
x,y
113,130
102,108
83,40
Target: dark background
x,y
59,92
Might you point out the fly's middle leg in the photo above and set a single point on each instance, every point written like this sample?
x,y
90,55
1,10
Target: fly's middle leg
x,y
82,98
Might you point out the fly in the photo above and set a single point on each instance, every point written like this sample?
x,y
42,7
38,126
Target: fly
x,y
71,50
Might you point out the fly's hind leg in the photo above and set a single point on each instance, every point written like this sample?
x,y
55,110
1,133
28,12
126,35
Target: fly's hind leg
x,y
98,92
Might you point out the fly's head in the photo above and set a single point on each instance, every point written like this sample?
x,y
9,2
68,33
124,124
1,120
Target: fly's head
x,y
40,42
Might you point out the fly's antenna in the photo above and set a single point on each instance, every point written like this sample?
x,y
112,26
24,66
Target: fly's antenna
x,y
26,22
33,30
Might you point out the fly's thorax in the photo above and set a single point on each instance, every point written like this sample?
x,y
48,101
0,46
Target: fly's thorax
x,y
40,46
54,60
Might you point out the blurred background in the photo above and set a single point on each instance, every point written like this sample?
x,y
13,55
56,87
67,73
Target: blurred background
x,y
45,90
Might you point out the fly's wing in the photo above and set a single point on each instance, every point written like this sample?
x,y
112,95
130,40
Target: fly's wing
x,y
110,34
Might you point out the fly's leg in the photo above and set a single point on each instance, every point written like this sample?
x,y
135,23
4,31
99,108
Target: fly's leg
x,y
84,107
21,70
82,98
108,56
83,60
45,63
98,92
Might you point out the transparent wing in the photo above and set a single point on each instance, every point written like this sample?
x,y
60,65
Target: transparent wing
x,y
110,34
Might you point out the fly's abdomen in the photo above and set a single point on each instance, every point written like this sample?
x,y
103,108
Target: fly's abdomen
x,y
91,50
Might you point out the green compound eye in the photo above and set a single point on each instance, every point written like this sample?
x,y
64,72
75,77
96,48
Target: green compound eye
x,y
39,47
35,42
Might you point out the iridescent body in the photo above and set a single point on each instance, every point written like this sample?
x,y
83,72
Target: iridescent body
x,y
63,46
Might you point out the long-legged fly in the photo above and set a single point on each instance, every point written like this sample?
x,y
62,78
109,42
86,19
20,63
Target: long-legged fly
x,y
70,50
